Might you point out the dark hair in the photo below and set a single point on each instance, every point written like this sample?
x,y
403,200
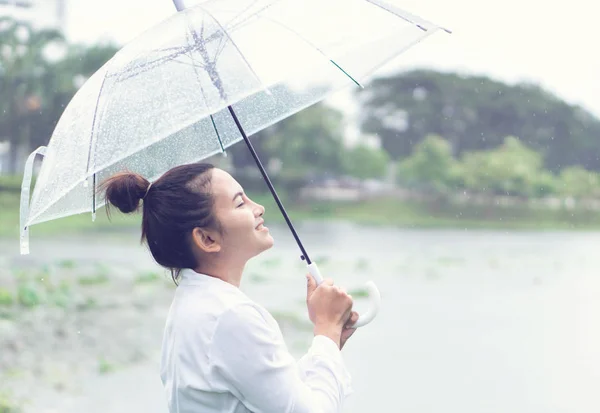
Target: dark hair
x,y
175,204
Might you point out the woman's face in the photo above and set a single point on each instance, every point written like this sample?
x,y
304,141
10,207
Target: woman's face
x,y
243,232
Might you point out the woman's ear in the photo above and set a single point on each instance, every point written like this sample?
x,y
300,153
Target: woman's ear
x,y
206,241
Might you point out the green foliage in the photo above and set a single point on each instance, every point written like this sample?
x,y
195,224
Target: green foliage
x,y
6,298
544,184
578,183
476,113
359,293
307,143
66,264
105,367
61,295
431,166
10,183
294,150
25,81
28,295
510,169
100,276
364,162
147,277
95,279
8,404
37,84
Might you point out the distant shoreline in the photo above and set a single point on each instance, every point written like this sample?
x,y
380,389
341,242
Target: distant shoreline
x,y
407,214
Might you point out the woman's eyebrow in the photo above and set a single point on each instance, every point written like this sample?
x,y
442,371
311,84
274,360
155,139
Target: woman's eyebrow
x,y
238,194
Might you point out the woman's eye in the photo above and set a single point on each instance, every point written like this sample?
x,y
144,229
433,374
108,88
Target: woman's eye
x,y
241,205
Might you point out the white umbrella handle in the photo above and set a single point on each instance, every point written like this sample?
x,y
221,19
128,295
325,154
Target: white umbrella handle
x,y
374,295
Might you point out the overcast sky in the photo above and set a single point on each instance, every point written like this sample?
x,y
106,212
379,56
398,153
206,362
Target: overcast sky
x,y
553,44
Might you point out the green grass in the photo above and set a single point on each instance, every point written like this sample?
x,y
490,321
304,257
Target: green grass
x,y
6,297
8,404
95,279
105,367
359,293
147,277
382,212
28,295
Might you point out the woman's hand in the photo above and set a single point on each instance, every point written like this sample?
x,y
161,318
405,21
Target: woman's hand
x,y
329,308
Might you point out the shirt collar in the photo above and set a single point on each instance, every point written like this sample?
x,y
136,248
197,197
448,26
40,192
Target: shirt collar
x,y
191,277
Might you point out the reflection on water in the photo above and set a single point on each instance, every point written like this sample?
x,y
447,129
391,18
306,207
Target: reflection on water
x,y
470,321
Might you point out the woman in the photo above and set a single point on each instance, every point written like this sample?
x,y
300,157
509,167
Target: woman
x,y
221,351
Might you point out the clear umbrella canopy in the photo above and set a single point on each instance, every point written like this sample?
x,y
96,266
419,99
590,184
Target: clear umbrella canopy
x,y
163,99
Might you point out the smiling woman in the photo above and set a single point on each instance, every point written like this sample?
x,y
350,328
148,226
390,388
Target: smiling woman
x,y
222,351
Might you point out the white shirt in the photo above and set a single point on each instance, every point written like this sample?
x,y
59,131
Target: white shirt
x,y
224,353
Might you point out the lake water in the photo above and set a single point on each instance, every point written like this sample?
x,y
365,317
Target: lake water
x,y
471,321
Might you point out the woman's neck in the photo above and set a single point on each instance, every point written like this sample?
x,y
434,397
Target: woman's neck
x,y
225,270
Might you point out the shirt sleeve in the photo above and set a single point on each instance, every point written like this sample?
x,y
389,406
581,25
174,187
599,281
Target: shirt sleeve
x,y
249,357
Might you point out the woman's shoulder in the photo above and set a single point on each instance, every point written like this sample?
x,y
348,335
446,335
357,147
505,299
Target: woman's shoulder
x,y
247,310
247,322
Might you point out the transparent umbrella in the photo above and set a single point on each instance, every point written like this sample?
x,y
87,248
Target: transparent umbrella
x,y
204,79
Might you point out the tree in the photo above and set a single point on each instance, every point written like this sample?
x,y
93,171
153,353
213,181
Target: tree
x,y
578,183
39,87
364,162
304,146
476,113
24,71
64,78
510,169
431,166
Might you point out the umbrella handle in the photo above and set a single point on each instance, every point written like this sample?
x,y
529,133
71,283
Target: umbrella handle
x,y
374,295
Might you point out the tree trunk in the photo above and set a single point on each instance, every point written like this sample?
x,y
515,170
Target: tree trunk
x,y
13,151
19,139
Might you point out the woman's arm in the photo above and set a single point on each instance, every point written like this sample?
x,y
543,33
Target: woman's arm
x,y
248,357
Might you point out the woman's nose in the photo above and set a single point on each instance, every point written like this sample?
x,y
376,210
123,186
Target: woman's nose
x,y
260,210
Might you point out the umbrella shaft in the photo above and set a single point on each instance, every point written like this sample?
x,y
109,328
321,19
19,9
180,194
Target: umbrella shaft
x,y
270,185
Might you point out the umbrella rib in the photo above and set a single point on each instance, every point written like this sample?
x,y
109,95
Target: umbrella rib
x,y
152,64
134,71
209,66
314,46
220,48
87,168
212,119
408,17
234,45
255,14
183,50
244,11
204,96
92,141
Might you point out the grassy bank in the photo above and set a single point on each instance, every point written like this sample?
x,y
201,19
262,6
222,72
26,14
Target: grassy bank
x,y
385,212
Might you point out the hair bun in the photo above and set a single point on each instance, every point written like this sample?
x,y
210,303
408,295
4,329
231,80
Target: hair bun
x,y
125,190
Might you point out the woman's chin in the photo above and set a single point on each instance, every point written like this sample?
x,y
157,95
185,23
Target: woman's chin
x,y
270,242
